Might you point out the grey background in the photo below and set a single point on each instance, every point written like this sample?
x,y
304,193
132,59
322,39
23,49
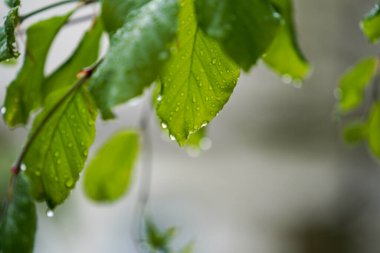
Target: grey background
x,y
277,179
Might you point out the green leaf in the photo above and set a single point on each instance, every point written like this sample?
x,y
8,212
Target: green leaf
x,y
137,52
60,149
24,94
370,24
373,130
115,12
284,55
196,82
7,36
12,3
108,176
195,140
159,241
353,83
85,55
244,28
355,132
19,223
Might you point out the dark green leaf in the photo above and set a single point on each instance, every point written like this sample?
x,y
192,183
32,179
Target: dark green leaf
x,y
115,12
353,84
196,82
373,130
59,151
85,55
371,24
355,132
7,36
138,50
159,241
284,55
108,175
24,94
12,3
19,223
244,28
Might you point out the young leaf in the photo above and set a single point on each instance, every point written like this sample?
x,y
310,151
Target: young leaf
x,y
24,93
284,55
137,53
196,82
85,54
7,36
108,175
159,241
355,132
244,28
60,149
373,130
370,24
115,12
19,223
354,82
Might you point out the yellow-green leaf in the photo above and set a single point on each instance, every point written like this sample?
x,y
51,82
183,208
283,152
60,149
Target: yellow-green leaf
x,y
371,24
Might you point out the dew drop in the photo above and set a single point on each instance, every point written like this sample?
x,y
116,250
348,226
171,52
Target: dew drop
x,y
213,61
204,124
163,125
56,154
69,183
172,137
49,213
3,110
23,167
159,98
206,143
163,56
193,152
287,79
297,83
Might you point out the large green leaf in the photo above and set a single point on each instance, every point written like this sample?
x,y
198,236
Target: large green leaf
x,y
373,130
7,35
60,149
24,94
19,223
196,82
138,50
371,24
85,55
115,12
284,55
108,175
244,28
354,82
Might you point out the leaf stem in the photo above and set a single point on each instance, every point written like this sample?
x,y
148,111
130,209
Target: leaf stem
x,y
51,6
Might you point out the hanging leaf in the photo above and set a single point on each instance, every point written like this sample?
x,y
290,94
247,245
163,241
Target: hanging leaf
x,y
137,53
244,28
355,132
196,82
370,24
24,94
353,84
60,149
19,222
284,55
85,55
108,175
373,130
7,35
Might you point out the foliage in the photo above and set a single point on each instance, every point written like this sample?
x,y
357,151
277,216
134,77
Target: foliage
x,y
192,51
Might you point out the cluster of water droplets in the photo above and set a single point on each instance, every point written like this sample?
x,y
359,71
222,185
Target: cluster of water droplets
x,y
288,79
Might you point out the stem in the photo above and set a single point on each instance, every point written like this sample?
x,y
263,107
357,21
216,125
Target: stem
x,y
51,6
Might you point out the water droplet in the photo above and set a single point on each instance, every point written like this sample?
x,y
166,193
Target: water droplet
x,y
59,161
159,98
213,61
206,143
177,109
23,167
172,137
182,94
297,83
70,145
85,153
163,55
204,124
163,125
3,110
56,154
287,79
69,183
193,152
50,213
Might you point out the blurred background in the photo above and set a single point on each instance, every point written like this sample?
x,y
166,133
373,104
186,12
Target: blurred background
x,y
278,178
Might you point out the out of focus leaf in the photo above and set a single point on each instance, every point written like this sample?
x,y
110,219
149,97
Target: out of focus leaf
x,y
85,55
244,28
24,94
354,82
12,3
7,35
137,53
355,132
157,240
108,176
370,24
59,151
19,222
373,130
284,56
196,82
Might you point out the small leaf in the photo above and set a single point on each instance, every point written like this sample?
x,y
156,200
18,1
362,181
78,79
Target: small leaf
x,y
137,52
85,55
284,55
244,28
59,151
108,175
196,82
353,84
373,130
12,3
7,36
355,132
19,223
24,94
115,12
370,24
159,241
